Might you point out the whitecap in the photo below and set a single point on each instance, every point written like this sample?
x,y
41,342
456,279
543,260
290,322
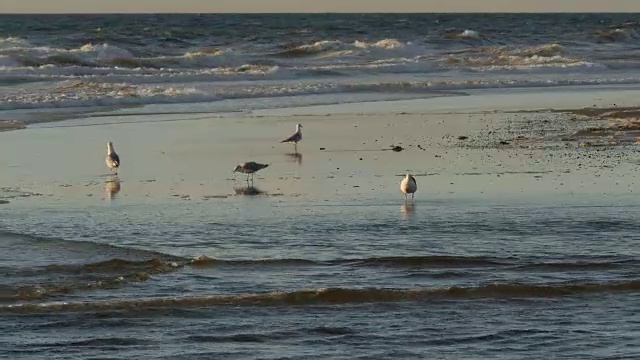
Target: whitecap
x,y
104,51
381,44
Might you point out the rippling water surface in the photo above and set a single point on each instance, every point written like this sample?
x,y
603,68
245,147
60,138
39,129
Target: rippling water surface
x,y
288,278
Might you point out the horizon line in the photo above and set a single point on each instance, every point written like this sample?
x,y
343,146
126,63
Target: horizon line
x,y
319,12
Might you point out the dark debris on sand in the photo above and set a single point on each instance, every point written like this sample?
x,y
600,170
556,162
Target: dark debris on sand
x,y
597,138
249,190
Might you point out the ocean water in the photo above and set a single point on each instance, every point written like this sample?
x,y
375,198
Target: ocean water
x,y
296,279
244,62
290,277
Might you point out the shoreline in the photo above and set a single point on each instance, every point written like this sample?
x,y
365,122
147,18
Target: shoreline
x,y
8,125
346,152
474,100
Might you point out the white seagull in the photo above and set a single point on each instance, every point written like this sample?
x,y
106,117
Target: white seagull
x,y
293,139
249,168
408,185
112,159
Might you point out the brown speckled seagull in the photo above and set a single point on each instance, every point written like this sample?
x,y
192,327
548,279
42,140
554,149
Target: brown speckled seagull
x,y
112,159
249,168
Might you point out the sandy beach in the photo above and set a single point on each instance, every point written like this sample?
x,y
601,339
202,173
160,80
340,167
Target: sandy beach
x,y
493,146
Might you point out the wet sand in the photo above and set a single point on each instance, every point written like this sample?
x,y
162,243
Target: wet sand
x,y
6,125
346,153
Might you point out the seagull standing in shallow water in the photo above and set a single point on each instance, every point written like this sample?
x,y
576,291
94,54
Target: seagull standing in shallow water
x,y
293,139
249,168
112,160
408,185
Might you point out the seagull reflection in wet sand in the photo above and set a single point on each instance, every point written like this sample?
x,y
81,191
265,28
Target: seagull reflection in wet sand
x,y
112,187
295,157
248,190
408,209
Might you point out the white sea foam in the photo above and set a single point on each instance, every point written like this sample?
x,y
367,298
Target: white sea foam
x,y
381,44
322,45
90,93
462,34
13,42
504,57
469,34
103,52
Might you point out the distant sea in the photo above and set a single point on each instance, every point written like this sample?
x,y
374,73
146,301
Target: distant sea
x,y
242,62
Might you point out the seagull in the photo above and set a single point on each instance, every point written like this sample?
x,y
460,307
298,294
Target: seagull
x,y
249,168
112,159
297,136
408,185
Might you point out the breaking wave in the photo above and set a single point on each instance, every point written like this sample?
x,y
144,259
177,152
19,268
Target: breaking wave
x,y
66,271
50,274
338,48
428,261
465,34
15,52
382,44
336,296
616,35
113,73
70,279
58,275
317,47
493,57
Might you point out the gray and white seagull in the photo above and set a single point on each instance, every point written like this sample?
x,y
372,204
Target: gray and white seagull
x,y
295,138
112,159
408,185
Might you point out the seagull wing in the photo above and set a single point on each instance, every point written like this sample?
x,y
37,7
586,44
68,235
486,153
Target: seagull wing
x,y
116,159
293,138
